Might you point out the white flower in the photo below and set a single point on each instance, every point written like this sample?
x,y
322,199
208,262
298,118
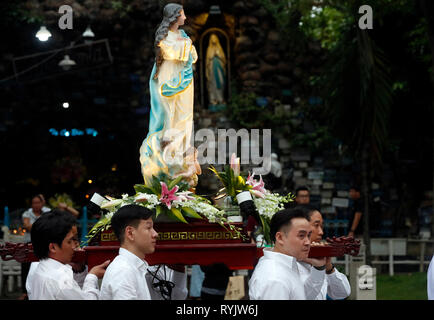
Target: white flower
x,y
147,200
109,205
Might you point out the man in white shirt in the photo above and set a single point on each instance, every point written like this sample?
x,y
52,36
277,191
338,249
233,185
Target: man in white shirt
x,y
336,284
129,276
277,275
54,239
430,280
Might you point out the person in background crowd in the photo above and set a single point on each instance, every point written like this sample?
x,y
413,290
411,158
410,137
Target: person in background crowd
x,y
215,281
356,215
71,210
54,239
336,285
129,276
277,276
302,195
29,217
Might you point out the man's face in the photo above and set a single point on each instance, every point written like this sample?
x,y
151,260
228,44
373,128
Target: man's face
x,y
302,197
354,194
145,237
65,252
316,222
296,240
181,18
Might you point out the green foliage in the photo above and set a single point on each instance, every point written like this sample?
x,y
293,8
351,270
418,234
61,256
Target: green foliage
x,y
232,185
122,8
325,25
244,111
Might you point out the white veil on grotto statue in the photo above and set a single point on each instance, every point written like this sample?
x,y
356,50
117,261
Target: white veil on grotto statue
x,y
215,71
167,147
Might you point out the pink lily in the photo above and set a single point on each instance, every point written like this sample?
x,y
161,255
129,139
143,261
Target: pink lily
x,y
258,188
235,165
167,196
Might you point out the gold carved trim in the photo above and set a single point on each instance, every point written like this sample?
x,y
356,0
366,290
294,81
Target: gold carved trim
x,y
198,235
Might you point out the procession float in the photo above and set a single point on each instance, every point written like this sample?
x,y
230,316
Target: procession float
x,y
192,229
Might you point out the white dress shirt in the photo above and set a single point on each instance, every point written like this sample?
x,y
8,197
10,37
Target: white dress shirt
x,y
335,285
52,280
277,277
127,278
430,280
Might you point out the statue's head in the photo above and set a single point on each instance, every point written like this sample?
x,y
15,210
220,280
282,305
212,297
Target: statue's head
x,y
171,12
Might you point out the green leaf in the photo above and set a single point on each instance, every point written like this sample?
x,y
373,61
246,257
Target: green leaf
x,y
144,189
266,229
189,212
156,184
174,182
178,215
157,211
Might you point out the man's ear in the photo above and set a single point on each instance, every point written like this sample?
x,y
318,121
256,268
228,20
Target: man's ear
x,y
279,236
129,233
52,247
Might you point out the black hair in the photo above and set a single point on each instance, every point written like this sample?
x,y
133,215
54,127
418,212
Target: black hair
x,y
50,227
301,188
307,208
355,187
129,215
283,218
39,196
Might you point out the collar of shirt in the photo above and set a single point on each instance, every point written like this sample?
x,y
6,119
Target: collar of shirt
x,y
286,260
52,264
134,260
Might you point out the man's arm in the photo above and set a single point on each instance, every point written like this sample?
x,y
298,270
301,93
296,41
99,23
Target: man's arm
x,y
357,217
338,286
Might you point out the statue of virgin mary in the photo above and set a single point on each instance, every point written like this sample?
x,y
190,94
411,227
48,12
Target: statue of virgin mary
x,y
167,147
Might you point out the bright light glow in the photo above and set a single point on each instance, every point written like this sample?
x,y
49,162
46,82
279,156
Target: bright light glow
x,y
89,181
88,33
66,133
87,196
43,34
66,63
65,105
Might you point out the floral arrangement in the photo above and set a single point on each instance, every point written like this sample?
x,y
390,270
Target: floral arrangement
x,y
167,197
61,198
266,202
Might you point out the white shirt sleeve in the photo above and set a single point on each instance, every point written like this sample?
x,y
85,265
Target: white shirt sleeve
x,y
180,290
430,280
270,290
338,286
70,290
314,283
80,277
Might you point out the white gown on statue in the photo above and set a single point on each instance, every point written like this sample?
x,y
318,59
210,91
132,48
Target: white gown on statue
x,y
171,120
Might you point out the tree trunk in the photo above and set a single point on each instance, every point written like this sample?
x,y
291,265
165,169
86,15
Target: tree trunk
x,y
365,194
